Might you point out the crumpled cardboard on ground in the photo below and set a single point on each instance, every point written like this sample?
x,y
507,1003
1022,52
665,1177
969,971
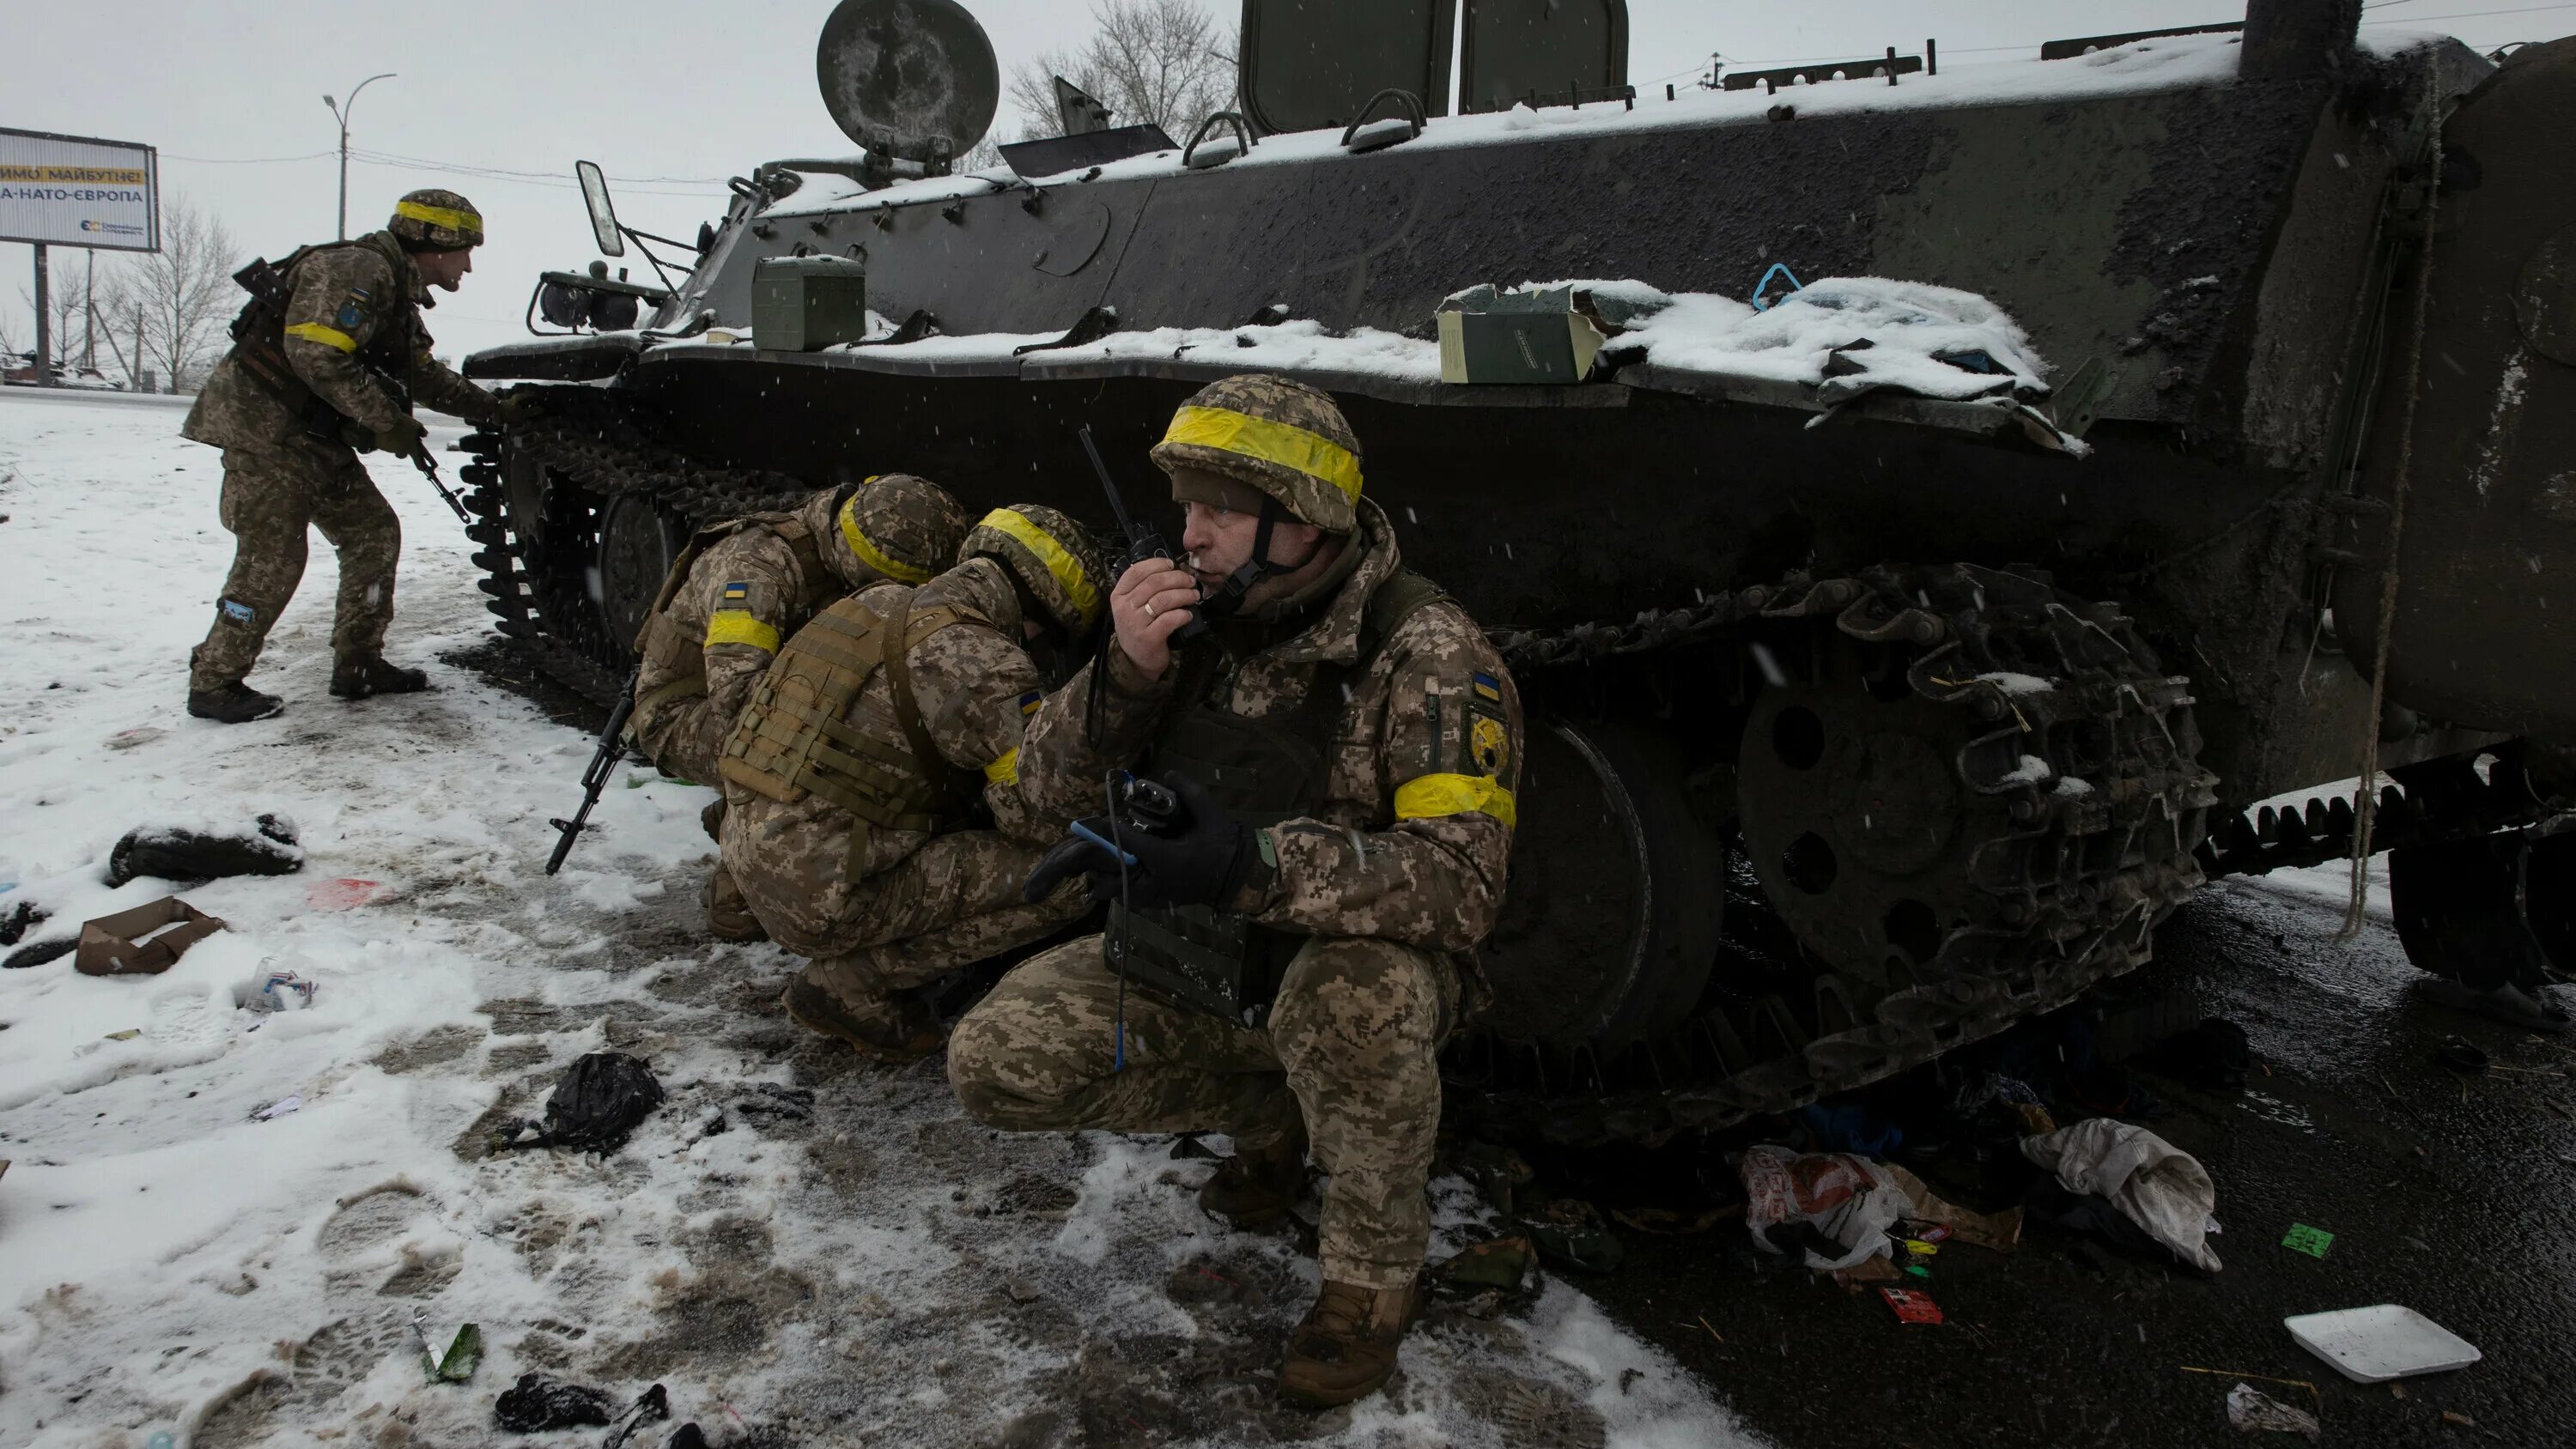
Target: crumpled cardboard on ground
x,y
116,945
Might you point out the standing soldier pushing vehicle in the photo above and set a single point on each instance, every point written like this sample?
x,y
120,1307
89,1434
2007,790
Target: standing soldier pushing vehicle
x,y
1289,937
328,359
744,586
856,772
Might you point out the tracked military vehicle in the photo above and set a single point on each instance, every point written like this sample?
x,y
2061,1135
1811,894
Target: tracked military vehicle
x,y
1976,686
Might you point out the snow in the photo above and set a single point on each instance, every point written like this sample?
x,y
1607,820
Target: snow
x,y
792,1243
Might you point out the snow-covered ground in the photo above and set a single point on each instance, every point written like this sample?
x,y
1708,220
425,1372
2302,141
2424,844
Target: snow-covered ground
x,y
805,1251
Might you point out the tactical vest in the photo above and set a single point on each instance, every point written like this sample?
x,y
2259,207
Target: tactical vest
x,y
259,345
797,737
1263,771
670,649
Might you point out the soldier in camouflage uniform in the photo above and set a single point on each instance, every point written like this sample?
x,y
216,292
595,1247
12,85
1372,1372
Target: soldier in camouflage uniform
x,y
300,393
744,586
853,777
1345,746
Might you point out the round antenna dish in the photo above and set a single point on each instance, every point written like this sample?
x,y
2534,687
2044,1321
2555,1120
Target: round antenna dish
x,y
913,80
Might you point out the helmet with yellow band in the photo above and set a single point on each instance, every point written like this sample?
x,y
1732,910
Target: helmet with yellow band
x,y
895,526
1284,439
1058,564
436,219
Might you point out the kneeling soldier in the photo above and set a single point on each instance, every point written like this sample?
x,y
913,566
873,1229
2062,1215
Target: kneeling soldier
x,y
744,585
1344,748
856,769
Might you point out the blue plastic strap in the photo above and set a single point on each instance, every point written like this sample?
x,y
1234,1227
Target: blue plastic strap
x,y
1778,269
1096,838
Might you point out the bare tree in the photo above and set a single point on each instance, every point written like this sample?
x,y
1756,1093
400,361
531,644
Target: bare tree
x,y
1171,62
184,293
63,306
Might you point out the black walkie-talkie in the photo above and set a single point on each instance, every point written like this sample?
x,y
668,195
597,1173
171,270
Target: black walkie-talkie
x,y
1142,541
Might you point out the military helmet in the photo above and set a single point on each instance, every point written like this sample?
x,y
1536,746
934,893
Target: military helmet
x,y
896,526
1055,559
1279,436
439,219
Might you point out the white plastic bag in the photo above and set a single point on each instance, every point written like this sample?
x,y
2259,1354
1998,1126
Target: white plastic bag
x,y
1851,1200
2155,1184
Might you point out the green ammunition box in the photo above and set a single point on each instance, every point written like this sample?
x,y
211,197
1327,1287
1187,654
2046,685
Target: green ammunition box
x,y
1492,336
802,304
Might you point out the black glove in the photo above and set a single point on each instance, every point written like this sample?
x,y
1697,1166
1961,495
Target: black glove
x,y
519,406
1198,862
403,438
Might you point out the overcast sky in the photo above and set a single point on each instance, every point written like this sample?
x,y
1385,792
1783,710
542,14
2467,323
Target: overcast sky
x,y
678,94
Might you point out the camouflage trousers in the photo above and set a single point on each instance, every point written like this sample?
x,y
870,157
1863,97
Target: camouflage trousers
x,y
953,901
271,497
1351,1046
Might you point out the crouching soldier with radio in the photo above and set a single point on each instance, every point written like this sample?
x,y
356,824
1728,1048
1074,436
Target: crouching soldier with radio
x,y
1291,919
744,586
875,817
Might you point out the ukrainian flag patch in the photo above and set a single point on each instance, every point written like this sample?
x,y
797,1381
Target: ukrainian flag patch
x,y
736,593
1488,688
1029,703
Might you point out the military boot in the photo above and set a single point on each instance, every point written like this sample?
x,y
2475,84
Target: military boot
x,y
907,1033
1255,1188
729,916
371,675
235,703
1346,1346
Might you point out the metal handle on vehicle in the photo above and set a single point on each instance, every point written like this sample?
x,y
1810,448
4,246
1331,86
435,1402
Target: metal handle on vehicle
x,y
1410,103
1242,137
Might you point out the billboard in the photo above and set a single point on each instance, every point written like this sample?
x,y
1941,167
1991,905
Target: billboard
x,y
76,191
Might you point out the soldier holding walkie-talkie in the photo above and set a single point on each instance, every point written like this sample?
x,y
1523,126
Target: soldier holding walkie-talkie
x,y
328,359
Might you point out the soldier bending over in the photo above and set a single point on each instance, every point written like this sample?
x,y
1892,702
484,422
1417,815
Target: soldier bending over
x,y
741,588
854,777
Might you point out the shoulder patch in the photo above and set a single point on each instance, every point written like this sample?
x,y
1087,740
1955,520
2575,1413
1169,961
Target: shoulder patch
x,y
1029,703
1488,687
349,316
737,591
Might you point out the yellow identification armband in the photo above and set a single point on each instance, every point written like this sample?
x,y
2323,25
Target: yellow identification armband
x,y
1004,771
1432,796
736,626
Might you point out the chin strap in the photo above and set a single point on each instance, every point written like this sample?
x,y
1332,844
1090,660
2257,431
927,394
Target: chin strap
x,y
1228,599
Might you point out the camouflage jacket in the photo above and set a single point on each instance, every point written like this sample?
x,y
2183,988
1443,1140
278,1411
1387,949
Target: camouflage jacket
x,y
348,306
1415,839
743,594
976,688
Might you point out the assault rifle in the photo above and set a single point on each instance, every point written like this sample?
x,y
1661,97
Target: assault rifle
x,y
603,763
1142,541
267,287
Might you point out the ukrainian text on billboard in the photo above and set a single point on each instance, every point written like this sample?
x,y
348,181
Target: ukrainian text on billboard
x,y
78,192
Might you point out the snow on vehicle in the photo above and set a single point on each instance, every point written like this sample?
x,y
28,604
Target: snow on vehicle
x,y
1970,612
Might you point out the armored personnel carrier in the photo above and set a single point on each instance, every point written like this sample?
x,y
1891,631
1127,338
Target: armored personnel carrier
x,y
1977,666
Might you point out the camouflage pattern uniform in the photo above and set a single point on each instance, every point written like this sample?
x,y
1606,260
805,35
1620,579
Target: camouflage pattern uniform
x,y
751,584
916,904
1394,879
350,305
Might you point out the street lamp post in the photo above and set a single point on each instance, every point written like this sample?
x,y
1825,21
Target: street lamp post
x,y
340,113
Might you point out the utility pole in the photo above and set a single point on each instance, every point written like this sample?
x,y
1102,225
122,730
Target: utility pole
x,y
340,113
142,379
89,314
44,321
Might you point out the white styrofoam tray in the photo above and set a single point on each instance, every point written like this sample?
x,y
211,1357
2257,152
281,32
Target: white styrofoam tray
x,y
2373,1345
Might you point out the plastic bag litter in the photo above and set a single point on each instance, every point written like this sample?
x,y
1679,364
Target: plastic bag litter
x,y
1849,1201
2158,1186
537,1403
598,1101
2252,1411
267,846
